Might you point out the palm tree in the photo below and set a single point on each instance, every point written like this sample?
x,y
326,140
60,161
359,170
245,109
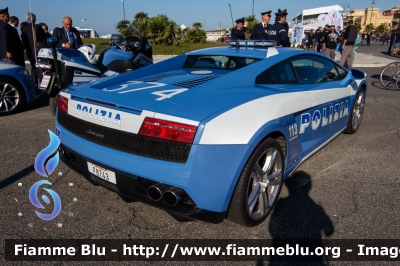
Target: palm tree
x,y
141,16
123,24
141,22
197,25
252,21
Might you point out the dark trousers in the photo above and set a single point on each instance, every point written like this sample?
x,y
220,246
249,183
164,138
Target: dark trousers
x,y
390,47
19,61
319,46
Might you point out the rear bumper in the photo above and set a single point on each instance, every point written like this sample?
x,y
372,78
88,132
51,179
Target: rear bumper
x,y
135,187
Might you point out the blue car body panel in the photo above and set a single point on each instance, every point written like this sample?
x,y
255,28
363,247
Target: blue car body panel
x,y
232,114
8,70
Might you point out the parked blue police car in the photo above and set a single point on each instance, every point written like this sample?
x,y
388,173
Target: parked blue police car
x,y
210,134
17,88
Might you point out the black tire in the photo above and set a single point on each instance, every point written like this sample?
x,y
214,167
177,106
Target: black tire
x,y
356,113
12,96
390,76
53,104
243,210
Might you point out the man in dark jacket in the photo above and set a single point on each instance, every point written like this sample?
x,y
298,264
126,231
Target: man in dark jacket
x,y
67,36
279,31
322,36
330,42
11,48
45,29
33,38
18,47
349,39
238,32
259,31
392,36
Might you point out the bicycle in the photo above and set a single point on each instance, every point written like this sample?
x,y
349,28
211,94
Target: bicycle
x,y
390,76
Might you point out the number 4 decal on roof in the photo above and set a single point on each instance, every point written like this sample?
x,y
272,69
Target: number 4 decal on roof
x,y
168,93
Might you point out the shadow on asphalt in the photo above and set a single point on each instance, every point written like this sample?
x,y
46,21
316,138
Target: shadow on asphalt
x,y
299,217
41,101
17,176
377,84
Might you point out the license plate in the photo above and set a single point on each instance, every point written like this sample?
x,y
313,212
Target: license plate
x,y
102,173
45,82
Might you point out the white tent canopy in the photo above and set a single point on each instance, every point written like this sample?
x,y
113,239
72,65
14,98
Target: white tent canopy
x,y
321,10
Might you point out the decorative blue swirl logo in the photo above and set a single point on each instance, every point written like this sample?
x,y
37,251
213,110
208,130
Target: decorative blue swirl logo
x,y
51,155
35,201
46,153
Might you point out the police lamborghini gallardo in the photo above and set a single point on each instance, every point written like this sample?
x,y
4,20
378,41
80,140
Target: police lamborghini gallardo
x,y
210,134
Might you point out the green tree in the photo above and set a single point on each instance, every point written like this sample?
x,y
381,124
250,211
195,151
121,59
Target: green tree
x,y
252,21
381,28
163,30
141,22
358,26
197,25
125,28
195,36
140,16
123,24
369,27
158,26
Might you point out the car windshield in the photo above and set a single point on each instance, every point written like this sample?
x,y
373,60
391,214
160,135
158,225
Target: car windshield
x,y
218,61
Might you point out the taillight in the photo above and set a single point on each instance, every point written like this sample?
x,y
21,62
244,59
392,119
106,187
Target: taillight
x,y
62,103
167,130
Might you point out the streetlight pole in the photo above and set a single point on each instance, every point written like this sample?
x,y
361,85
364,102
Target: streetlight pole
x,y
372,11
123,7
252,11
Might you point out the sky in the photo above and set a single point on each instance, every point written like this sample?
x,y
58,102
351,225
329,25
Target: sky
x,y
103,15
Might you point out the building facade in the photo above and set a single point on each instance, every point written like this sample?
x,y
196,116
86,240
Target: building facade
x,y
395,12
216,35
368,16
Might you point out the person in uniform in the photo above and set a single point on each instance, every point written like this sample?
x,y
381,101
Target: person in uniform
x,y
259,31
11,48
279,31
238,32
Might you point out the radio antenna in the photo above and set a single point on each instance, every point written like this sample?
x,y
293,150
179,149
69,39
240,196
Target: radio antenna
x,y
233,26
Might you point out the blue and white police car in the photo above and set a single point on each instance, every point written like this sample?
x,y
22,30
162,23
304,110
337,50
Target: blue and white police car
x,y
17,88
210,134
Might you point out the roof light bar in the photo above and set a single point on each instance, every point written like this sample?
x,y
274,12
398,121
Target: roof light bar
x,y
251,43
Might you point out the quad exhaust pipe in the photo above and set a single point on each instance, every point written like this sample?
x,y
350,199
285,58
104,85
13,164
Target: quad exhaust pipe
x,y
171,196
174,196
155,192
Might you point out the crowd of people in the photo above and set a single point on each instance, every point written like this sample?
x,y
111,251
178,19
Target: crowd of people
x,y
32,39
327,40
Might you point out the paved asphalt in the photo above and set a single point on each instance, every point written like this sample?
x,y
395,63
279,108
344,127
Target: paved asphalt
x,y
353,182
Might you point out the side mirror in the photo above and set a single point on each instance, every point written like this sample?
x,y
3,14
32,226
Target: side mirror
x,y
358,74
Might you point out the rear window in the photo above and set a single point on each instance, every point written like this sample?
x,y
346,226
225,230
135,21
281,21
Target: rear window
x,y
218,62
